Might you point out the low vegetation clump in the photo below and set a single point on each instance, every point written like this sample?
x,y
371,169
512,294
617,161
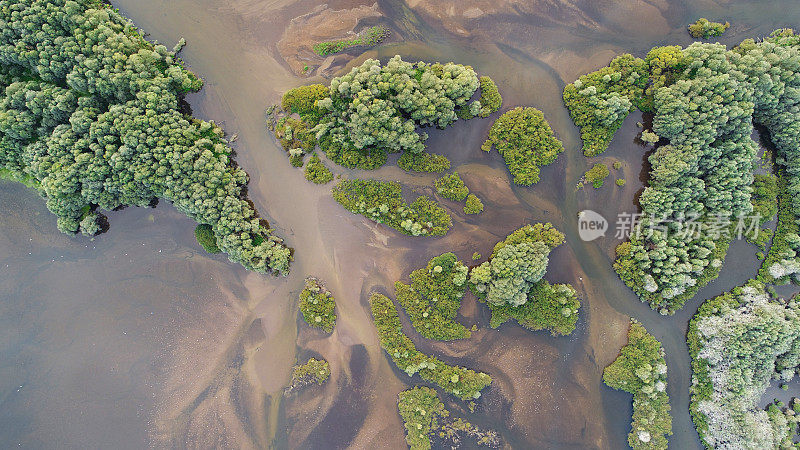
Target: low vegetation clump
x,y
704,28
425,417
474,205
512,283
99,126
765,196
314,371
739,342
205,237
317,305
451,187
434,296
369,37
464,383
597,175
641,370
620,182
423,162
317,172
525,140
382,202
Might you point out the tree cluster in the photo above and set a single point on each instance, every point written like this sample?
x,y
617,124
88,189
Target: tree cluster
x,y
382,202
489,102
511,282
434,296
451,187
317,305
465,384
738,342
641,370
598,102
525,140
377,109
90,114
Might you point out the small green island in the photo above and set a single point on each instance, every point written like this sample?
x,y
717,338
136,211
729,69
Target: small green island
x,y
314,371
434,296
369,37
525,140
705,29
317,305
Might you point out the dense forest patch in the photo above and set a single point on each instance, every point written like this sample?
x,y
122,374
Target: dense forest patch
x,y
739,342
705,99
91,116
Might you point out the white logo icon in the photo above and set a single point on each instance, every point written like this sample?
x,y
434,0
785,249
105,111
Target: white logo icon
x,y
591,225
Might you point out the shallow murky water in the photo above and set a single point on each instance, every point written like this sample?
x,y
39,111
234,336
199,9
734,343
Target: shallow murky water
x,y
138,338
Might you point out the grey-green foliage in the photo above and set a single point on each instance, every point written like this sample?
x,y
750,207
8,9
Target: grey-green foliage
x,y
772,68
705,171
740,341
511,273
90,110
378,107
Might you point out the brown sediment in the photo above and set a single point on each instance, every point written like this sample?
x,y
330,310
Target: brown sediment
x,y
322,24
469,17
